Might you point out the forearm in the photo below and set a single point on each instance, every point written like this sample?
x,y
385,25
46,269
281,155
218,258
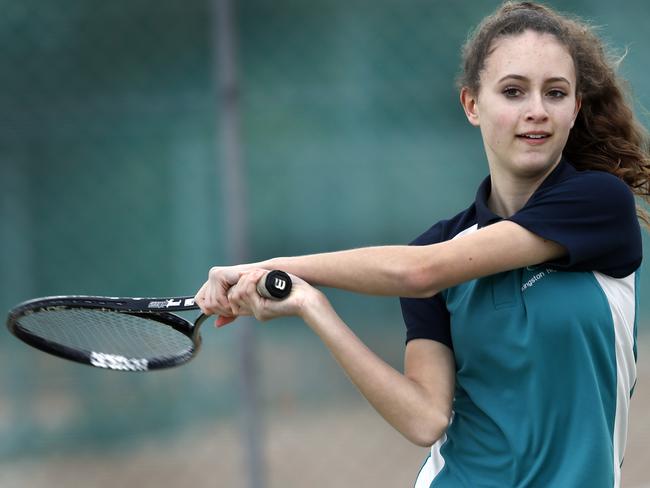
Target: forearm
x,y
422,271
385,270
417,403
421,415
410,271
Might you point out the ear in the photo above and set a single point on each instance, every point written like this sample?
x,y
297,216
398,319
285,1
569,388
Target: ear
x,y
577,109
470,106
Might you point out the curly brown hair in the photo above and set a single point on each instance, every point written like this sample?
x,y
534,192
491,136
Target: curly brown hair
x,y
606,135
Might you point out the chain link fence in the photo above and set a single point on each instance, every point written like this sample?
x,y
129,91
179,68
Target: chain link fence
x,y
111,185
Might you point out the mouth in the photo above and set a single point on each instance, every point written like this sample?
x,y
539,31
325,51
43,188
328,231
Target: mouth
x,y
534,136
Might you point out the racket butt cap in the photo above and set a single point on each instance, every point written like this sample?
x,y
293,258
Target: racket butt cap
x,y
276,285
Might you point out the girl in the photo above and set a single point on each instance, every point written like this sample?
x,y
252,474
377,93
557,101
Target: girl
x,y
520,310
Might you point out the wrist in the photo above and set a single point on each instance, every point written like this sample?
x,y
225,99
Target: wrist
x,y
269,264
314,307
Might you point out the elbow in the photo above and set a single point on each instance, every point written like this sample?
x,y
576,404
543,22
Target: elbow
x,y
426,432
421,281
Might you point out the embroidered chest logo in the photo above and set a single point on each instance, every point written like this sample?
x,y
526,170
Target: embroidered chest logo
x,y
537,277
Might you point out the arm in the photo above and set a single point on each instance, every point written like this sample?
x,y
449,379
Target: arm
x,y
416,403
423,271
411,271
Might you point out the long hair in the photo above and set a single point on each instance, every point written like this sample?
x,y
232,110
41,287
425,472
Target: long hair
x,y
606,135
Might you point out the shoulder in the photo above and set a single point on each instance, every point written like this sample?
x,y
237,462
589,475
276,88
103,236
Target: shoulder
x,y
599,180
581,194
447,229
592,214
598,186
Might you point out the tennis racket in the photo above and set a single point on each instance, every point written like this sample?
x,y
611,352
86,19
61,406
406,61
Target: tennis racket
x,y
123,334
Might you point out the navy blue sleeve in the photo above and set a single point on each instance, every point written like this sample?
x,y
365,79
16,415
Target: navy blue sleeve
x,y
593,215
427,318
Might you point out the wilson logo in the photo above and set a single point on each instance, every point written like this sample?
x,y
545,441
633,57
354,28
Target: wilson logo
x,y
280,284
119,363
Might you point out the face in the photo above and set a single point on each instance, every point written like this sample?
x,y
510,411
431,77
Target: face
x,y
526,104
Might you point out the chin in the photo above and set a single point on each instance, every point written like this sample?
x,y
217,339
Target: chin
x,y
535,166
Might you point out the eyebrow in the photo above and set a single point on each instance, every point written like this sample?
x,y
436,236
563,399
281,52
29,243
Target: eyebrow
x,y
553,79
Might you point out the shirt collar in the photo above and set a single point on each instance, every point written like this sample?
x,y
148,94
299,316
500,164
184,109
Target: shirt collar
x,y
485,216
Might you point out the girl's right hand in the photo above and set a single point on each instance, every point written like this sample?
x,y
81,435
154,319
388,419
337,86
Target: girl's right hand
x,y
303,301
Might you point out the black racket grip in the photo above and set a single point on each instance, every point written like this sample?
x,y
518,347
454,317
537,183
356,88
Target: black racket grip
x,y
276,285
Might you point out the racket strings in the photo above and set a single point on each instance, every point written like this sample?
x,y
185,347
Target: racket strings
x,y
107,332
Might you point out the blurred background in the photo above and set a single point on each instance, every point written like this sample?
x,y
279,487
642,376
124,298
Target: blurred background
x,y
345,127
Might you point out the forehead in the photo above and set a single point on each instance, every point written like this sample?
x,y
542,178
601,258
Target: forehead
x,y
529,54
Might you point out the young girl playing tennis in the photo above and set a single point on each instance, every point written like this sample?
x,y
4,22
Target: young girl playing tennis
x,y
520,310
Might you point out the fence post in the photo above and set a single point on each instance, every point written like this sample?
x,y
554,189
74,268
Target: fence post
x,y
234,201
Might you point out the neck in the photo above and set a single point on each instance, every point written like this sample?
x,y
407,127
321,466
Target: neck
x,y
509,193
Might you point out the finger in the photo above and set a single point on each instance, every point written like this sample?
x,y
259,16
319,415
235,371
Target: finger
x,y
243,296
199,298
221,299
232,296
222,280
254,301
238,298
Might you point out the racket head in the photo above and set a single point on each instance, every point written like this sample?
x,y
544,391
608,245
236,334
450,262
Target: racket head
x,y
103,333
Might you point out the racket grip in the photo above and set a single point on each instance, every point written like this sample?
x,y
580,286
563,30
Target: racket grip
x,y
276,285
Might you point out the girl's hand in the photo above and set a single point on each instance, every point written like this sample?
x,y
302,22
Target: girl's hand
x,y
212,297
244,299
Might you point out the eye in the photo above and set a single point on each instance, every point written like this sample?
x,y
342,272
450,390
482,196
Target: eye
x,y
556,93
511,92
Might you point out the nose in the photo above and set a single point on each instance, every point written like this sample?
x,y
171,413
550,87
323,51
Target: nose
x,y
535,109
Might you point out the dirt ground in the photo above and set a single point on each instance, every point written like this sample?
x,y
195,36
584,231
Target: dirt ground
x,y
345,447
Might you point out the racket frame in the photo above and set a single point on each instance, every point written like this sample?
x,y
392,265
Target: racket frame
x,y
275,285
151,308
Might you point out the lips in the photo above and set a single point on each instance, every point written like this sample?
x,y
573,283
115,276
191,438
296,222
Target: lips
x,y
534,136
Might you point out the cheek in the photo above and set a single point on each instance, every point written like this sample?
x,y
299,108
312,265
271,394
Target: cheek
x,y
497,122
500,118
501,127
506,121
507,117
565,121
565,114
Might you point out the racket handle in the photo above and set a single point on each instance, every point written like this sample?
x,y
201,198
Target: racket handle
x,y
276,285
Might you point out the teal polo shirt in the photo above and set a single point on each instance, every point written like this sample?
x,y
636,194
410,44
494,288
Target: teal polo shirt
x,y
546,355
